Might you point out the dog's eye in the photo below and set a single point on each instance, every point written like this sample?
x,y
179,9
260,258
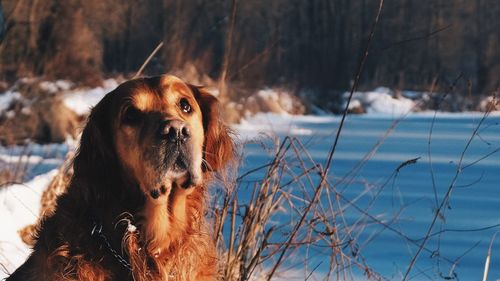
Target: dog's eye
x,y
132,115
185,106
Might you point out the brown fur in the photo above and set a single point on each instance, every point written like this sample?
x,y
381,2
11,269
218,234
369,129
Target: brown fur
x,y
162,239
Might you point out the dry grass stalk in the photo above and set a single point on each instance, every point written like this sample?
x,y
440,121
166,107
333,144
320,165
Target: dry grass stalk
x,y
439,212
283,219
488,258
148,59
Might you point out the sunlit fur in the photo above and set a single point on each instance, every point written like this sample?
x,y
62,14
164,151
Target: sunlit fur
x,y
119,163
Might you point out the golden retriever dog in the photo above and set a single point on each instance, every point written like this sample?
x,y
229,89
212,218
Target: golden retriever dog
x,y
134,208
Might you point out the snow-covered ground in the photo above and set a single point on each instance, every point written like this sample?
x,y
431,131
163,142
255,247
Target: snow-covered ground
x,y
7,98
382,100
475,203
19,207
80,101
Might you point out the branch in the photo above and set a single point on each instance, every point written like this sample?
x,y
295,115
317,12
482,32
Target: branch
x,y
153,53
332,151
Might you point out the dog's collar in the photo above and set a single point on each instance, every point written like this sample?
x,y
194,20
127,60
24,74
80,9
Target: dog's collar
x,y
98,233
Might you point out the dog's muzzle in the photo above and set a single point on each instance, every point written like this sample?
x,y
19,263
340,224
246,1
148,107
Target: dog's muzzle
x,y
174,131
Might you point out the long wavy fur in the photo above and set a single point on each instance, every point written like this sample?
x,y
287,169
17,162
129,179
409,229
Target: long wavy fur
x,y
99,190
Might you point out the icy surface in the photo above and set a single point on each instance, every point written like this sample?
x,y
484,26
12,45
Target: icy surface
x,y
474,204
34,159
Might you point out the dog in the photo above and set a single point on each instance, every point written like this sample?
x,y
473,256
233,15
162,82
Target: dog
x,y
134,208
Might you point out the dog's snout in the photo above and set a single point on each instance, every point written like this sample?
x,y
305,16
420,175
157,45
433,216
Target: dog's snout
x,y
174,131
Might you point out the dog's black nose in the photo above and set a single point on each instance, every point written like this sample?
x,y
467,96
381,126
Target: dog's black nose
x,y
174,131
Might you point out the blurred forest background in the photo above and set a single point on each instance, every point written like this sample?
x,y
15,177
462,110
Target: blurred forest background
x,y
313,45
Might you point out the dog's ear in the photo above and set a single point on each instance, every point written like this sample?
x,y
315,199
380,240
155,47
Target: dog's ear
x,y
219,147
96,146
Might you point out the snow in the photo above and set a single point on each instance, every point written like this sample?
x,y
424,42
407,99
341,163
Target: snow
x,y
49,86
82,100
278,100
26,110
454,115
354,104
46,150
274,123
384,103
55,86
20,203
268,94
10,114
271,123
34,159
381,101
415,95
490,103
19,207
7,98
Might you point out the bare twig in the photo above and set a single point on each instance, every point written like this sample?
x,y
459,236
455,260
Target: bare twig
x,y
228,50
332,151
425,36
445,199
488,257
256,58
355,85
153,53
429,139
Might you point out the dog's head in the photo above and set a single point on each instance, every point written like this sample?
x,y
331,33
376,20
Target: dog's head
x,y
156,133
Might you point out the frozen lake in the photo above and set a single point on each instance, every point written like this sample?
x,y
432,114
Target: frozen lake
x,y
403,201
